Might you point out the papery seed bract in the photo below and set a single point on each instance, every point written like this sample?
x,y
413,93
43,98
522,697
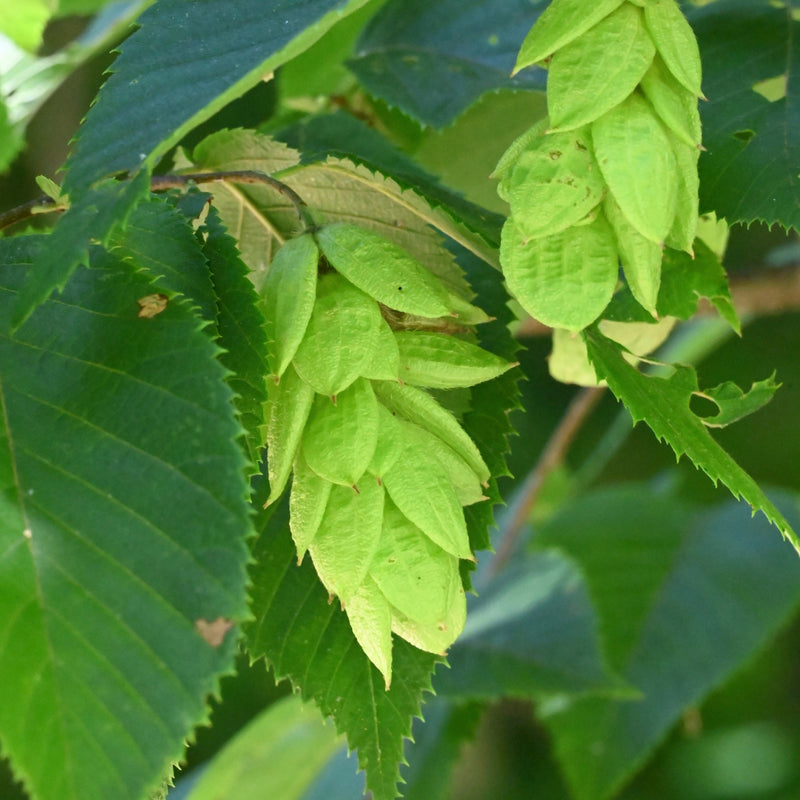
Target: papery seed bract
x,y
441,361
347,537
594,73
339,438
524,141
307,501
434,638
684,227
562,22
384,363
341,337
289,405
676,43
370,617
288,293
383,270
673,102
389,444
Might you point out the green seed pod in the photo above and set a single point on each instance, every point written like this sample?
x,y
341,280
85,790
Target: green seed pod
x,y
383,270
673,102
370,617
339,438
289,406
307,502
341,337
636,159
421,488
289,293
565,280
562,22
417,406
641,258
441,361
348,537
599,70
554,184
416,576
384,363
676,43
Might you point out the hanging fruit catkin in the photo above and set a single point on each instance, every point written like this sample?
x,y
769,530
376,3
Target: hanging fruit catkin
x,y
620,144
381,471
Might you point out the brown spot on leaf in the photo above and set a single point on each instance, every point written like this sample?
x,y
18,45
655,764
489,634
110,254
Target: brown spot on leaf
x,y
152,304
213,632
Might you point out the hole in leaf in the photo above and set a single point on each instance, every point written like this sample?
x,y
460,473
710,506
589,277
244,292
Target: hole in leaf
x,y
744,136
771,89
703,406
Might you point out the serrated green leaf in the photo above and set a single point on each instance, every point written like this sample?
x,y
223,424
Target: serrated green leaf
x,y
663,403
675,42
637,162
562,22
554,183
240,326
291,609
159,239
339,438
649,568
341,338
564,280
307,502
532,633
289,405
289,292
109,651
347,538
674,103
383,270
441,361
370,618
225,48
94,218
594,73
734,404
749,171
640,257
420,487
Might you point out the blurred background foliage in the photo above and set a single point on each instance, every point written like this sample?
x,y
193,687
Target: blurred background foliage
x,y
743,741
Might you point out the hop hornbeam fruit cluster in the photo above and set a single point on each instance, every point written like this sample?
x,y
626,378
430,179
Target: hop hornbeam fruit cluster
x,y
380,470
610,176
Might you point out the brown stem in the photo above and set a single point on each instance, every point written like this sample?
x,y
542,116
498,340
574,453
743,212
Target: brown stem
x,y
552,456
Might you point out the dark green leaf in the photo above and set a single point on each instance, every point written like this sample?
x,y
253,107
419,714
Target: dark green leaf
x,y
184,63
433,60
122,543
309,640
532,633
750,169
663,403
682,599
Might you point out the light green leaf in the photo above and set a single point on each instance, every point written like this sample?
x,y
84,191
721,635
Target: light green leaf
x,y
442,361
421,488
288,408
565,280
383,270
417,406
11,139
225,48
684,228
341,338
289,293
554,183
110,650
370,617
674,103
663,403
640,257
415,575
734,404
599,70
637,162
385,362
307,502
347,538
24,22
389,444
434,638
339,438
675,42
562,22
289,733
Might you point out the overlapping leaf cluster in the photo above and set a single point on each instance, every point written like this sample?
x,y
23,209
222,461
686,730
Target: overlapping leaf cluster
x,y
380,469
610,176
